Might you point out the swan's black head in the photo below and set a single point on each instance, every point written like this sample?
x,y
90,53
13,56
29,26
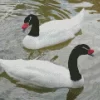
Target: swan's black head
x,y
30,20
84,49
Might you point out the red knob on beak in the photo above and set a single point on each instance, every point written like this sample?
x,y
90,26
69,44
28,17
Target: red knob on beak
x,y
25,26
90,52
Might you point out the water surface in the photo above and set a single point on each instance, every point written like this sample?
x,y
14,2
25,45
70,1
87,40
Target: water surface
x,y
12,14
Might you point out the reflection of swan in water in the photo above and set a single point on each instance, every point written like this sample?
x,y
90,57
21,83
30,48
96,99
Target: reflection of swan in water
x,y
73,93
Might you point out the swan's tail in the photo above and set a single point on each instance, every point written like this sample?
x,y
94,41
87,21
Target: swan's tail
x,y
79,17
1,68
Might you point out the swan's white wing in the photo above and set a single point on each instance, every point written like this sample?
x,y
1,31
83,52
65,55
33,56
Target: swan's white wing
x,y
60,25
37,72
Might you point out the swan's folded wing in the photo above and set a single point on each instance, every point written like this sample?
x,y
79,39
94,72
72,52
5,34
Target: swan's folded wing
x,y
40,73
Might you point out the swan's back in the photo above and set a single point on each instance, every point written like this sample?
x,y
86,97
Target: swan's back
x,y
51,26
57,31
37,72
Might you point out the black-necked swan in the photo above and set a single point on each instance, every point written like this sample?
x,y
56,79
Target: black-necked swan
x,y
52,32
46,74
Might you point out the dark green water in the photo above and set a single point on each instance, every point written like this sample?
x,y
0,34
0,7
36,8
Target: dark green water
x,y
12,14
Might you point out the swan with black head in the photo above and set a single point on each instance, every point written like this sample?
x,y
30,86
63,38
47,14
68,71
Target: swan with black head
x,y
52,32
46,74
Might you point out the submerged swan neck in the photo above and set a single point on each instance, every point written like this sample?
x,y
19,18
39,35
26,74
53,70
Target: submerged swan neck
x,y
35,28
72,65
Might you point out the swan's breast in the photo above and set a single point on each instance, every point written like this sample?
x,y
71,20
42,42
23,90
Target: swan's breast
x,y
31,42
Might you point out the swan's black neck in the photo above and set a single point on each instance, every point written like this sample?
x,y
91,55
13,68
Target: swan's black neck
x,y
35,28
72,65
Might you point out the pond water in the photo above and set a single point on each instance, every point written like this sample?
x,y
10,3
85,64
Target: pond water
x,y
12,14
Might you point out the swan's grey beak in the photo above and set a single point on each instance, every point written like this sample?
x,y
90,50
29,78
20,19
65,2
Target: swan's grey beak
x,y
23,30
92,55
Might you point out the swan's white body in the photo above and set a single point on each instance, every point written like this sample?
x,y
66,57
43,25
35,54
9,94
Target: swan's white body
x,y
39,73
55,32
